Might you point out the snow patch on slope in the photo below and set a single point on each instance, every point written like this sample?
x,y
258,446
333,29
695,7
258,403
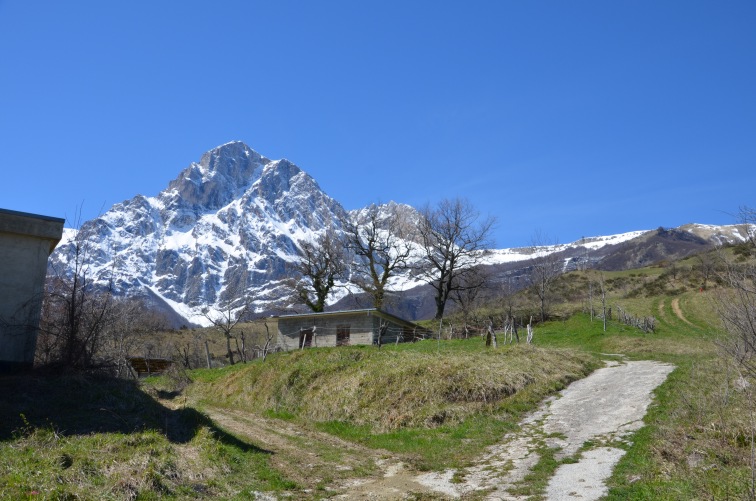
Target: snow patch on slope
x,y
513,255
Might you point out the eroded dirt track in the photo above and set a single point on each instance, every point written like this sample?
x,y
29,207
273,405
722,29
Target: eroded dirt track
x,y
321,464
314,460
678,311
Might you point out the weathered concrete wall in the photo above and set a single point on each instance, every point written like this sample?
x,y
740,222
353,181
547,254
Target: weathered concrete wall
x,y
363,326
26,241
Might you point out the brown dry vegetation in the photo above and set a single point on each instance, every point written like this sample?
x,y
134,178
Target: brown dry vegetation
x,y
395,387
187,346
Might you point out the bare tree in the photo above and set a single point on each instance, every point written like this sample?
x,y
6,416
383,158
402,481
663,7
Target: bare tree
x,y
736,306
602,286
510,330
76,311
706,265
193,353
453,238
85,326
225,319
530,331
468,296
268,339
747,217
322,263
491,334
506,300
546,268
241,349
131,332
382,329
381,239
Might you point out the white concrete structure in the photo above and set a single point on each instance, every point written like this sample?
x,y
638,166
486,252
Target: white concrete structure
x,y
341,328
26,241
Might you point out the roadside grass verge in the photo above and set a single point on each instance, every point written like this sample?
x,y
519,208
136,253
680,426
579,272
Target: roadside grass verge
x,y
697,442
450,445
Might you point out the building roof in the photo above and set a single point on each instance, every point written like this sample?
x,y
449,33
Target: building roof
x,y
367,312
33,216
32,225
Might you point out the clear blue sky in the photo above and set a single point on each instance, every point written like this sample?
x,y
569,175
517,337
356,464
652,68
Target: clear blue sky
x,y
569,118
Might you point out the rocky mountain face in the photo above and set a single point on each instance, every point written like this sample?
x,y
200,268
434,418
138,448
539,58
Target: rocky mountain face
x,y
227,227
227,230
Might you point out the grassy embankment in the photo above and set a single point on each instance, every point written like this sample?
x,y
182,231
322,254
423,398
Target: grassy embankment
x,y
436,406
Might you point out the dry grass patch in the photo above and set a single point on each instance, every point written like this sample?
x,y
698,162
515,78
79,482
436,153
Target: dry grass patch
x,y
393,388
649,346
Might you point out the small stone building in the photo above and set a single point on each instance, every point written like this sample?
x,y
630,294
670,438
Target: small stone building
x,y
339,328
26,241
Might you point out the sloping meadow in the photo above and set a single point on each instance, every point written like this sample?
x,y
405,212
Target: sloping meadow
x,y
407,386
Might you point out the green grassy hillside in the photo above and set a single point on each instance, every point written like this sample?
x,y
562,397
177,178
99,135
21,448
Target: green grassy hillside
x,y
304,424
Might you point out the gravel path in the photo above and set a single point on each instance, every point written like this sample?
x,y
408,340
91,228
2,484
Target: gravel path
x,y
602,409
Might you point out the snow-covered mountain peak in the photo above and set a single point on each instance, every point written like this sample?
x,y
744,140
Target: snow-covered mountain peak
x,y
228,155
221,175
227,228
390,209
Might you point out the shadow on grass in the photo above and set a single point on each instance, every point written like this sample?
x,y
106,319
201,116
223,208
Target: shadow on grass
x,y
78,405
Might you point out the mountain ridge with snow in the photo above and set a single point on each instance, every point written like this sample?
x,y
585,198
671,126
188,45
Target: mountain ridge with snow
x,y
227,230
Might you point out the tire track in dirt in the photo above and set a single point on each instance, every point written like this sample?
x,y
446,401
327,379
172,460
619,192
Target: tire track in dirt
x,y
678,311
320,463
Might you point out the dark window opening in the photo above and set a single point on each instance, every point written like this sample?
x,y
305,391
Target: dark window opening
x,y
305,338
342,335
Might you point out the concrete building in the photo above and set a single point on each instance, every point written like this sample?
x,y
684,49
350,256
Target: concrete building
x,y
338,328
26,241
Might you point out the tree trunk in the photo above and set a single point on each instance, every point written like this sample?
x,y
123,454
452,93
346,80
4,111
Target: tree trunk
x,y
207,354
229,352
530,331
